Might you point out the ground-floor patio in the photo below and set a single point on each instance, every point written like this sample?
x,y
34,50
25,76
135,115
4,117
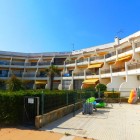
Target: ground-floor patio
x,y
115,122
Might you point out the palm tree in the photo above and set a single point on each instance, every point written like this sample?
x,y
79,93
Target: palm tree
x,y
51,72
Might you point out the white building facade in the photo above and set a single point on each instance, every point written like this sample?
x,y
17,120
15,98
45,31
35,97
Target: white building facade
x,y
115,64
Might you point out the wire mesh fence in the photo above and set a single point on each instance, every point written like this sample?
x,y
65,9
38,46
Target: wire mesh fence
x,y
53,101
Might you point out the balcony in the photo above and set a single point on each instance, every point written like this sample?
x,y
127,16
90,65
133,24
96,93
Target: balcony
x,y
99,57
82,60
29,75
137,45
31,64
66,84
67,75
92,58
44,63
105,71
110,54
70,62
4,75
92,73
134,66
18,63
16,74
4,62
96,58
59,61
79,74
124,50
58,75
43,74
118,69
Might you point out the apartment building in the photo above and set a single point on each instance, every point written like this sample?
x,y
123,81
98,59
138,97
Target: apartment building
x,y
115,64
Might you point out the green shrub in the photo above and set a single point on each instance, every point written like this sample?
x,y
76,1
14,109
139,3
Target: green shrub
x,y
14,84
12,107
112,94
2,85
101,87
89,88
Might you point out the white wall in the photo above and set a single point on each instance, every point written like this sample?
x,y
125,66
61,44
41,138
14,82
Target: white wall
x,y
105,81
60,87
115,83
71,87
131,83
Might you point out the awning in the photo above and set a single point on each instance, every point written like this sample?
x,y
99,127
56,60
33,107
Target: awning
x,y
95,65
82,66
90,81
41,82
124,58
102,53
111,62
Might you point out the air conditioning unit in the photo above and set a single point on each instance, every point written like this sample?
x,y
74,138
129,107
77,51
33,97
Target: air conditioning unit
x,y
138,77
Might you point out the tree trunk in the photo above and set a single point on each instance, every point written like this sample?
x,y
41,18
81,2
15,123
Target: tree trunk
x,y
50,82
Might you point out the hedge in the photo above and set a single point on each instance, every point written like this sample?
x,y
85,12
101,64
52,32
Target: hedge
x,y
112,94
11,103
11,106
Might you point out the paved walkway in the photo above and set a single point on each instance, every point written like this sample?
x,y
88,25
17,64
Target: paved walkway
x,y
116,122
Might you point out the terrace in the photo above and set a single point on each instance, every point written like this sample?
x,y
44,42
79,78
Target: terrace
x,y
115,122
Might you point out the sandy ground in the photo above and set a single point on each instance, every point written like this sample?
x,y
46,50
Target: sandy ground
x,y
24,134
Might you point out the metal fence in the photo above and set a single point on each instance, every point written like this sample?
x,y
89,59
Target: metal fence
x,y
49,102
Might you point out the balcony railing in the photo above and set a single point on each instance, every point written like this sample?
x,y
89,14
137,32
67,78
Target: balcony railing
x,y
82,60
4,62
105,71
92,58
70,62
4,75
41,75
134,66
44,63
118,69
31,64
79,74
99,57
16,74
124,50
66,84
57,75
18,63
67,75
110,54
92,73
29,75
137,45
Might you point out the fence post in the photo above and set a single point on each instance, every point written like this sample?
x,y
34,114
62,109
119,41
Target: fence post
x,y
99,94
80,95
42,105
74,104
67,99
138,92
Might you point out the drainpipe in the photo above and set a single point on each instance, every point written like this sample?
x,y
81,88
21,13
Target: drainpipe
x,y
88,60
84,74
111,72
75,63
126,69
133,48
116,54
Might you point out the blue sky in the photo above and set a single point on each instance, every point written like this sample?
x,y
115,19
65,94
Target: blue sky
x,y
54,25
